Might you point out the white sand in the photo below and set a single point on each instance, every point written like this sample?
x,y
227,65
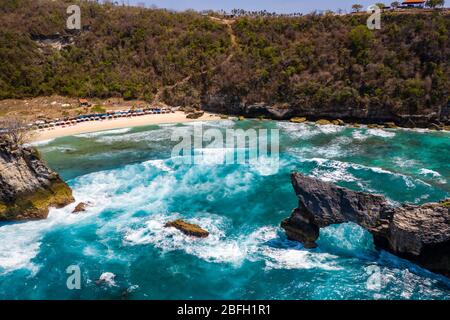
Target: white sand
x,y
94,126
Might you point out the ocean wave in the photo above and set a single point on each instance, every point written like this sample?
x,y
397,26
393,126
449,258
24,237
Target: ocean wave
x,y
299,130
364,134
40,143
155,135
330,128
20,242
220,248
335,171
428,173
215,248
381,133
103,133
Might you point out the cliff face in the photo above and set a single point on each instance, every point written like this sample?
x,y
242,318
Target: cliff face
x,y
417,233
27,186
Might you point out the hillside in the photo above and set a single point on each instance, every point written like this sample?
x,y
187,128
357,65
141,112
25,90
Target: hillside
x,y
316,66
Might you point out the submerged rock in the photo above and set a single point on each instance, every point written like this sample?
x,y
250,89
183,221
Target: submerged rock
x,y
81,207
28,188
188,228
417,233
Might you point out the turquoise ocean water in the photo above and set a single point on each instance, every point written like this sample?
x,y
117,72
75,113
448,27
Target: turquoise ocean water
x,y
134,187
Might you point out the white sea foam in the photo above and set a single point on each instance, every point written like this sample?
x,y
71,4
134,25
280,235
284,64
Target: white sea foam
x,y
40,143
381,133
405,163
159,164
298,259
299,130
108,279
432,174
306,130
20,242
359,135
215,248
330,128
428,172
333,171
103,133
220,248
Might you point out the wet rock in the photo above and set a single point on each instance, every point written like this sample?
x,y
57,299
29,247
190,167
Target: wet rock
x,y
323,122
435,126
338,122
28,188
390,125
188,228
298,120
420,234
81,207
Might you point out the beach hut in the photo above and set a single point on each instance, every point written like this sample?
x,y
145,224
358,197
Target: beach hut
x,y
84,103
413,3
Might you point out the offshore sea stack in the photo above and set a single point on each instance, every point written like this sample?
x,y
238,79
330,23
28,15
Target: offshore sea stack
x,y
420,234
28,188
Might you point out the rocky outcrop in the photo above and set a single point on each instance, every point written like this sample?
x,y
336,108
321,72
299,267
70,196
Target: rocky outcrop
x,y
188,228
284,111
420,234
28,188
81,207
195,115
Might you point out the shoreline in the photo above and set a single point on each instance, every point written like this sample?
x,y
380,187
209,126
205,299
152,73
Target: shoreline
x,y
111,124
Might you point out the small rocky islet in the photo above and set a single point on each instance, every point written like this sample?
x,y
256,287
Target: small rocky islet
x,y
187,228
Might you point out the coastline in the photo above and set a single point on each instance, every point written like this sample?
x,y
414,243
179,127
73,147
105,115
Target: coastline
x,y
96,126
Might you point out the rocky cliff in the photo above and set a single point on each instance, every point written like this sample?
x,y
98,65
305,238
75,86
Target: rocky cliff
x,y
417,233
28,188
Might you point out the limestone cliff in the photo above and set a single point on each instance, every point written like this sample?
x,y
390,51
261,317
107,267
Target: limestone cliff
x,y
418,233
28,188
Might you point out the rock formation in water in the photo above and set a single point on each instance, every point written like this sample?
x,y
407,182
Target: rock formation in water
x,y
188,228
420,234
28,188
81,207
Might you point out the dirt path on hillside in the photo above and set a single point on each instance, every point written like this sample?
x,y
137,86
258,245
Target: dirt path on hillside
x,y
234,46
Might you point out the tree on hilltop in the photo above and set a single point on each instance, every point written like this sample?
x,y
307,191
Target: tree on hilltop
x,y
435,3
357,7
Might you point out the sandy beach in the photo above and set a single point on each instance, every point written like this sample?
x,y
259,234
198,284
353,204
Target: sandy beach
x,y
94,126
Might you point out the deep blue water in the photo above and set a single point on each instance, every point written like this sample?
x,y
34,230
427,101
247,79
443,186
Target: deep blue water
x,y
134,187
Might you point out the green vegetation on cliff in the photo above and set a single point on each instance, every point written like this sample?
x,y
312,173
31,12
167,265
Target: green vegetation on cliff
x,y
35,205
317,62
